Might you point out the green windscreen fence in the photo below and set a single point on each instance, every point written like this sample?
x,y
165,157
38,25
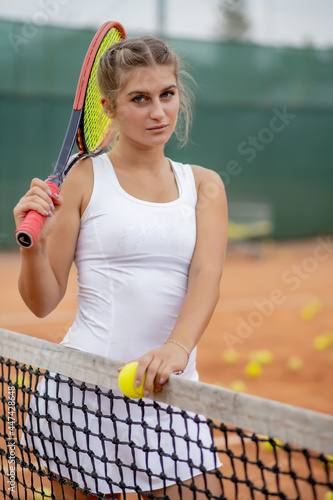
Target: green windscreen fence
x,y
263,120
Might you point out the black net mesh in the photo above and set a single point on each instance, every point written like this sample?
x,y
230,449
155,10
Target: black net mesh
x,y
61,438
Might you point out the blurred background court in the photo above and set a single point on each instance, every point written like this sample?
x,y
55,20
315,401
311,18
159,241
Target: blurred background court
x,y
263,120
292,339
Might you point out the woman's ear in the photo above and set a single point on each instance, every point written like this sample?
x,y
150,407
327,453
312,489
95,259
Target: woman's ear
x,y
107,108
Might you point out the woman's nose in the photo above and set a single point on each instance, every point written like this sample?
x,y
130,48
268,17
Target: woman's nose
x,y
157,111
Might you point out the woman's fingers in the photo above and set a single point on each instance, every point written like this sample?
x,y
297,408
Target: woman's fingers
x,y
158,365
147,367
39,198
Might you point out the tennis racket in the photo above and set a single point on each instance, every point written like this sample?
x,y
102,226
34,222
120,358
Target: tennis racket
x,y
88,127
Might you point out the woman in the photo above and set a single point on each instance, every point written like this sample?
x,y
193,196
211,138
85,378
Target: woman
x,y
148,236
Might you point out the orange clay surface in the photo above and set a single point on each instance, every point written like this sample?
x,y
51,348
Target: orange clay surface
x,y
274,296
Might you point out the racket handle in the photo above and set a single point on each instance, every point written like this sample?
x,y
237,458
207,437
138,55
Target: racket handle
x,y
27,233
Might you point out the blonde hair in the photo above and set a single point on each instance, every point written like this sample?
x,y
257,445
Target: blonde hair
x,y
146,51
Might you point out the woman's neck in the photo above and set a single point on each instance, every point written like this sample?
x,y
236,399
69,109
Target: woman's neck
x,y
144,159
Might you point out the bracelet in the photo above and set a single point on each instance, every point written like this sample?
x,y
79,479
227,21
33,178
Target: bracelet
x,y
180,345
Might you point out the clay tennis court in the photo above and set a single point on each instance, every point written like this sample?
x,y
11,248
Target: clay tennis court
x,y
275,296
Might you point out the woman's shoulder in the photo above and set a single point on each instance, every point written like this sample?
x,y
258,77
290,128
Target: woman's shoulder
x,y
205,177
81,172
79,183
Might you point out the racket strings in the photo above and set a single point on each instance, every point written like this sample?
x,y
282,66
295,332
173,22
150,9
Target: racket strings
x,y
95,131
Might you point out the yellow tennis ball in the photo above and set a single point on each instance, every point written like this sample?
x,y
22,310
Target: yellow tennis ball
x,y
328,495
317,304
238,385
307,313
253,369
229,356
321,342
272,444
126,381
264,356
19,380
294,363
44,495
21,375
329,461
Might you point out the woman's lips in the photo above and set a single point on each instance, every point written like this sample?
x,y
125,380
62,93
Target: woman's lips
x,y
157,128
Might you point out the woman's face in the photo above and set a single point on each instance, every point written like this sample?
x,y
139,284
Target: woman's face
x,y
147,107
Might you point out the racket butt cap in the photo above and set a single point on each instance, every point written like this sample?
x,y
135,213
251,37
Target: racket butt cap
x,y
24,239
27,233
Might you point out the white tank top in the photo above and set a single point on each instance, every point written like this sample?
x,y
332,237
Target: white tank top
x,y
133,258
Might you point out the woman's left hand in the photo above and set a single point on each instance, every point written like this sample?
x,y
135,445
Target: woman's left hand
x,y
158,365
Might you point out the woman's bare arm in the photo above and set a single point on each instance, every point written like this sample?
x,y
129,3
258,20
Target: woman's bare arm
x,y
208,260
45,266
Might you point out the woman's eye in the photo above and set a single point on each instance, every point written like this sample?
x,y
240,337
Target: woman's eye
x,y
167,94
139,99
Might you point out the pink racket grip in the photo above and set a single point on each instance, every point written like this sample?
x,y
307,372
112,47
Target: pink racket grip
x,y
27,233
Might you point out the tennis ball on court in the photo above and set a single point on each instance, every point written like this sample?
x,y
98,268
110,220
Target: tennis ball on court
x,y
46,493
229,356
294,364
271,444
321,342
253,369
328,495
19,380
21,374
307,313
329,462
329,337
238,385
126,380
264,356
317,304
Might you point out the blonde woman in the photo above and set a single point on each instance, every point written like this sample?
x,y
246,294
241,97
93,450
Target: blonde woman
x,y
148,236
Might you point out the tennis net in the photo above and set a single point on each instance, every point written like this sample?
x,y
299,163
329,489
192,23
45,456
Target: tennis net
x,y
61,434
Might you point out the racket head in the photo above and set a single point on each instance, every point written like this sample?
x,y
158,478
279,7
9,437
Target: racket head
x,y
88,126
95,128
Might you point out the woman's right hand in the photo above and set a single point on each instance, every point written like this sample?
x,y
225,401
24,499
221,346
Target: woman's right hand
x,y
40,199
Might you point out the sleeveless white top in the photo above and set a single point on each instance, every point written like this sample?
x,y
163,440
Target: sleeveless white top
x,y
133,258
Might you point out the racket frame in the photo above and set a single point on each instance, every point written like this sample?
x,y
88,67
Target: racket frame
x,y
27,233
